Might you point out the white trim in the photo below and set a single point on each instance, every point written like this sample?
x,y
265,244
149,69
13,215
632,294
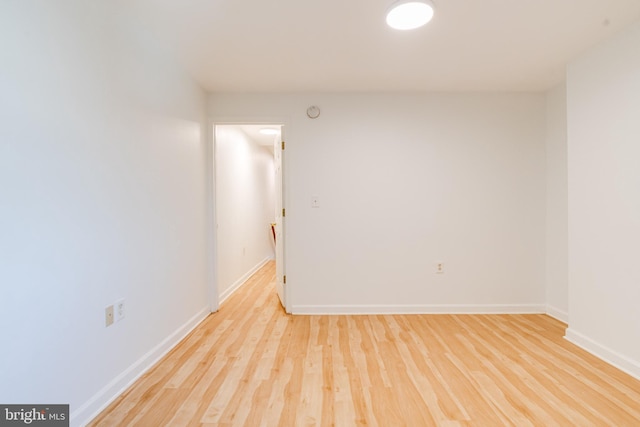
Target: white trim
x,y
212,220
612,357
557,314
420,309
241,281
90,409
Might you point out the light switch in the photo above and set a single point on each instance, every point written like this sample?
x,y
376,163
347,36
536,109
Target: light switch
x,y
315,202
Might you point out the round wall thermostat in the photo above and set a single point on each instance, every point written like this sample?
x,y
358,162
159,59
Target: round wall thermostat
x,y
313,112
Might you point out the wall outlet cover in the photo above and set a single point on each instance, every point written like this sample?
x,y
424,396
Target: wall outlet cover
x,y
108,316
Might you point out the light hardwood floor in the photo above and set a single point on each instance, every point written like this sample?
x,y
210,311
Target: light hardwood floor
x,y
251,364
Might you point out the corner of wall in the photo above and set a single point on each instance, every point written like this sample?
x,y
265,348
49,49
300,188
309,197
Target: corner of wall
x,y
556,219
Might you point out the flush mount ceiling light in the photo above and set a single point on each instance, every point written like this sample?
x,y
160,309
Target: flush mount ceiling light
x,y
269,131
409,14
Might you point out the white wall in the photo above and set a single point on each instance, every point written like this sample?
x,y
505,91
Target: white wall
x,y
102,196
244,207
603,105
557,282
405,181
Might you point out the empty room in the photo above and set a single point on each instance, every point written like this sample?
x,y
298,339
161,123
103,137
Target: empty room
x,y
440,228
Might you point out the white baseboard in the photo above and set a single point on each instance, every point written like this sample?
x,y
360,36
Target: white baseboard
x,y
88,411
612,357
558,314
420,309
236,285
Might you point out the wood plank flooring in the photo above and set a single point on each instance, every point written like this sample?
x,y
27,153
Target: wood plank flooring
x,y
252,365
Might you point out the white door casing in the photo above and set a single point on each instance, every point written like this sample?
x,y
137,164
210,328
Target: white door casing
x,y
280,215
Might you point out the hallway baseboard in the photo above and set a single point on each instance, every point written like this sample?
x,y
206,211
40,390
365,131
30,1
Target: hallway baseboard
x,y
226,294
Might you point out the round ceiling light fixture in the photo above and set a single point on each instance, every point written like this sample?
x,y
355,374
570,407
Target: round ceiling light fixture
x,y
269,131
409,14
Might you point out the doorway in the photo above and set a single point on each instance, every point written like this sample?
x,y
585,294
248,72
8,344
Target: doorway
x,y
248,205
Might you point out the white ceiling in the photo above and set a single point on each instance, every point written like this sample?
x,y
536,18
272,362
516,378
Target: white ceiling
x,y
345,45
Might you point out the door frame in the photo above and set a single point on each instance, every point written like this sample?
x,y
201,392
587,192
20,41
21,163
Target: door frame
x,y
212,258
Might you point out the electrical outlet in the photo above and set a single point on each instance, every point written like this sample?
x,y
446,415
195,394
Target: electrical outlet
x,y
108,316
119,310
439,267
